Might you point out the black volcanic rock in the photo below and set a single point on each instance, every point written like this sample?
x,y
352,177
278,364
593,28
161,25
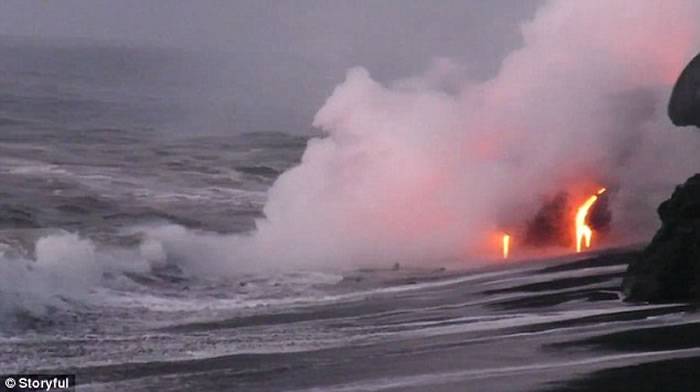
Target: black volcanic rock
x,y
684,106
548,226
669,268
600,215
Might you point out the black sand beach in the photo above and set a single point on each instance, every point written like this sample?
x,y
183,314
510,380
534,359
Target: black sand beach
x,y
539,326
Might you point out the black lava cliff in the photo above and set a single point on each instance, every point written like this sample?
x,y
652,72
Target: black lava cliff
x,y
668,269
684,105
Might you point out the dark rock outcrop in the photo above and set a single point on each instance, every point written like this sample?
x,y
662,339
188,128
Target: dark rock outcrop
x,y
668,269
548,227
684,106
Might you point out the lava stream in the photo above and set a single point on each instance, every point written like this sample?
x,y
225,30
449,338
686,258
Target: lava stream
x,y
506,245
583,231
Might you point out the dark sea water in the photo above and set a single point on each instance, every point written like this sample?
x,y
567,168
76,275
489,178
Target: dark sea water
x,y
92,157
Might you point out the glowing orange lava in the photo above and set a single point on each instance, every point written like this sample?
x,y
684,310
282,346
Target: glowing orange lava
x,y
583,231
506,245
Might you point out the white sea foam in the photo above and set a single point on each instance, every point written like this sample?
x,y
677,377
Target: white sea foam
x,y
64,268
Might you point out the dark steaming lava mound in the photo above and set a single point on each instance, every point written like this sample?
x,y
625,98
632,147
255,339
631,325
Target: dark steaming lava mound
x,y
551,225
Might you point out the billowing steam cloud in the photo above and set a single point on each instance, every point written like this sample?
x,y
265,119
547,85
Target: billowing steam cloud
x,y
427,168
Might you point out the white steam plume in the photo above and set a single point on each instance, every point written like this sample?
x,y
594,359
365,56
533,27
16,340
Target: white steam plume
x,y
426,168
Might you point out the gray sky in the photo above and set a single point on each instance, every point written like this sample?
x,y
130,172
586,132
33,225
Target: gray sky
x,y
282,51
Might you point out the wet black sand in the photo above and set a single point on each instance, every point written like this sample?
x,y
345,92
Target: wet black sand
x,y
679,374
672,337
551,326
668,375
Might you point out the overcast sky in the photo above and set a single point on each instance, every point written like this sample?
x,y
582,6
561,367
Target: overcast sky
x,y
291,48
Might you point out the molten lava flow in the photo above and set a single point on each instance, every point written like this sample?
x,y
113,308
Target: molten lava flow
x,y
583,231
506,245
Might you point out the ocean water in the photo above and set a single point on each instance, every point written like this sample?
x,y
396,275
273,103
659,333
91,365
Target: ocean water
x,y
93,158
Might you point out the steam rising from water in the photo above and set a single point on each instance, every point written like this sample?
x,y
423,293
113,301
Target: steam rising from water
x,y
426,168
64,268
